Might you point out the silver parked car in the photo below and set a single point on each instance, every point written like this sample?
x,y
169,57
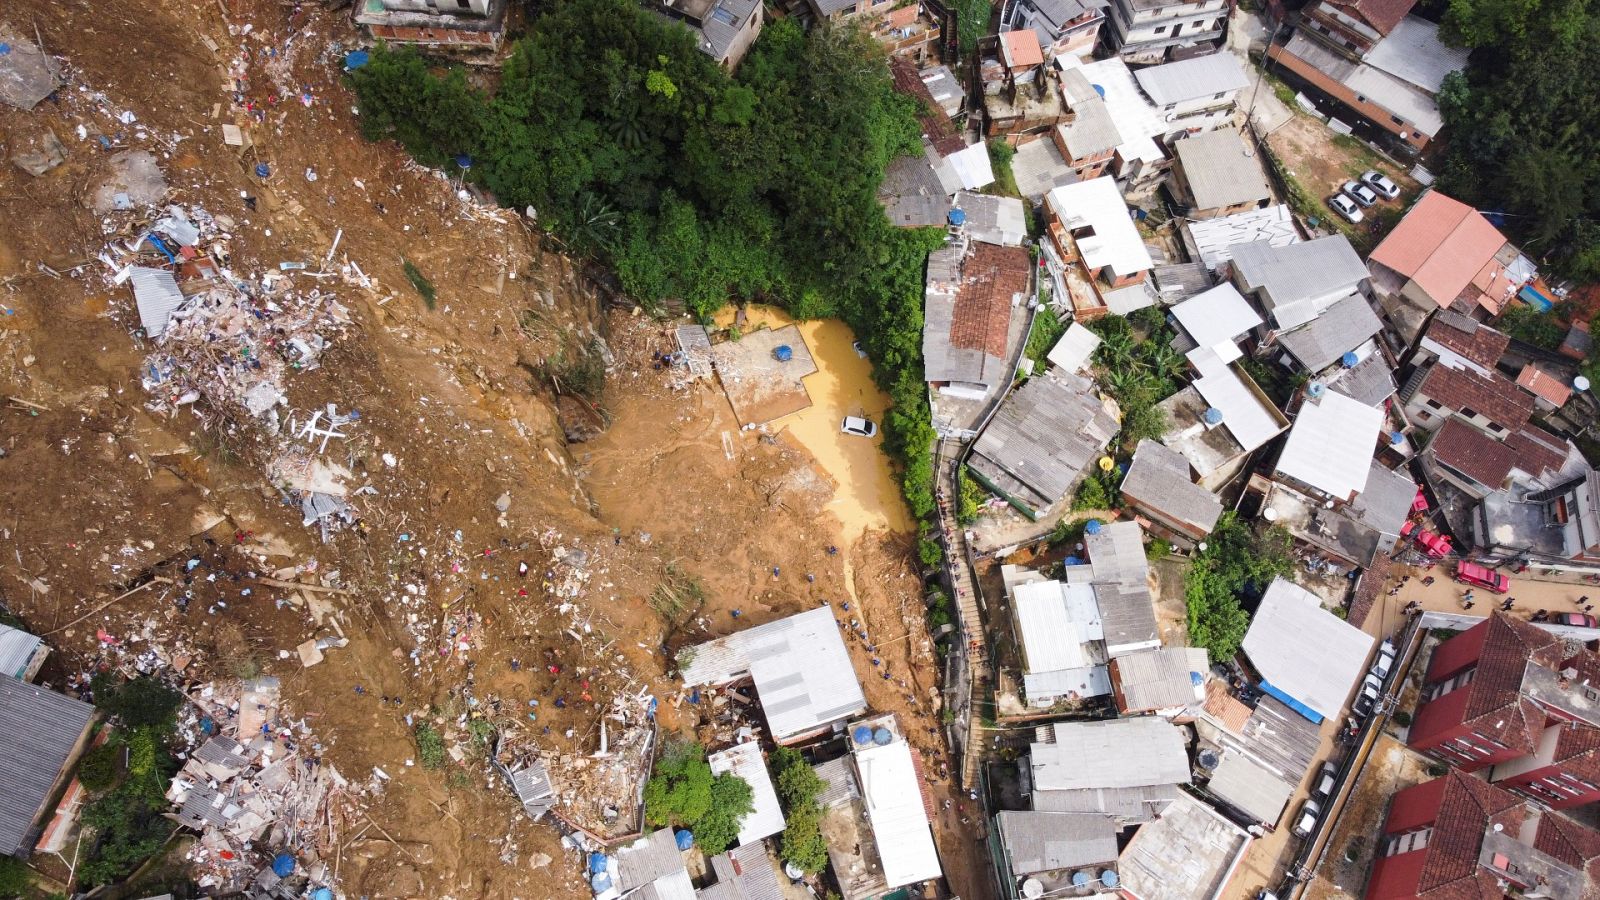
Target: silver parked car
x,y
1346,208
1381,185
1360,193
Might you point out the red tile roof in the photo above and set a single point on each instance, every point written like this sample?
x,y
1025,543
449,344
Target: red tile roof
x,y
1543,384
1227,708
935,124
1575,844
1482,344
1021,48
1493,396
1442,244
1383,15
1495,707
1473,453
990,277
1537,450
1467,809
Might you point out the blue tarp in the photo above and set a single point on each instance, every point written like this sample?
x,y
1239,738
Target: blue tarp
x,y
355,59
1292,703
1535,299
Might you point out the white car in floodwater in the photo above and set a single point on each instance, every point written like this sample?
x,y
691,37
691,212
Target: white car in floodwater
x,y
858,426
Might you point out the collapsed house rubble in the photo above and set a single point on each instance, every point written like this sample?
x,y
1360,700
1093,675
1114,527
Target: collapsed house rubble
x,y
257,791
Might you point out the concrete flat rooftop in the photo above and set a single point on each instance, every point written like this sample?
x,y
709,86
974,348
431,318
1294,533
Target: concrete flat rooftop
x,y
759,387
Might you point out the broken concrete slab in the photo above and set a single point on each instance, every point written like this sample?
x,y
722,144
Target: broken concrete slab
x,y
27,75
37,151
310,653
133,180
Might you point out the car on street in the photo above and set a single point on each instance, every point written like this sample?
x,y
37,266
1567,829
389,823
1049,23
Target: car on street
x,y
1327,778
1346,208
1385,660
1361,193
859,427
1380,184
1306,819
1580,620
1482,576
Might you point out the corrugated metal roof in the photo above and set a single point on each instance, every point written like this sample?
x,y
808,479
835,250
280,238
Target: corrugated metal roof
x,y
1342,327
840,782
1305,651
1055,621
1045,841
746,761
1092,131
1160,479
1190,853
801,668
1196,78
671,886
1385,503
1128,615
647,859
17,648
911,194
1295,279
744,873
1116,553
158,297
1045,688
1073,352
1331,444
38,730
1117,753
1161,678
892,795
1371,380
1043,437
1244,784
1220,169
1413,53
993,220
533,788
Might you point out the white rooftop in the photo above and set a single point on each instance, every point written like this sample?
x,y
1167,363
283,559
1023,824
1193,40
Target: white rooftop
x,y
1303,650
1413,53
893,797
1214,239
1331,444
1243,414
1056,621
1075,348
800,666
966,169
1097,203
765,819
1117,753
1216,319
1137,120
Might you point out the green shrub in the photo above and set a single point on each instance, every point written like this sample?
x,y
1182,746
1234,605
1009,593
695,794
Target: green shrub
x,y
971,497
430,746
798,787
143,701
684,792
1236,559
1160,548
15,877
98,770
420,281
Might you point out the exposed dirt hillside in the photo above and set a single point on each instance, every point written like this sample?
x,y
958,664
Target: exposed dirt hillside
x,y
109,493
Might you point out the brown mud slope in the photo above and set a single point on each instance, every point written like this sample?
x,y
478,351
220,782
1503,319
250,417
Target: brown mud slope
x,y
98,492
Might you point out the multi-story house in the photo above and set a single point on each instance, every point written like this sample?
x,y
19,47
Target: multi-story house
x,y
1376,60
458,24
1456,836
1505,697
1142,31
1064,27
1195,94
724,29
